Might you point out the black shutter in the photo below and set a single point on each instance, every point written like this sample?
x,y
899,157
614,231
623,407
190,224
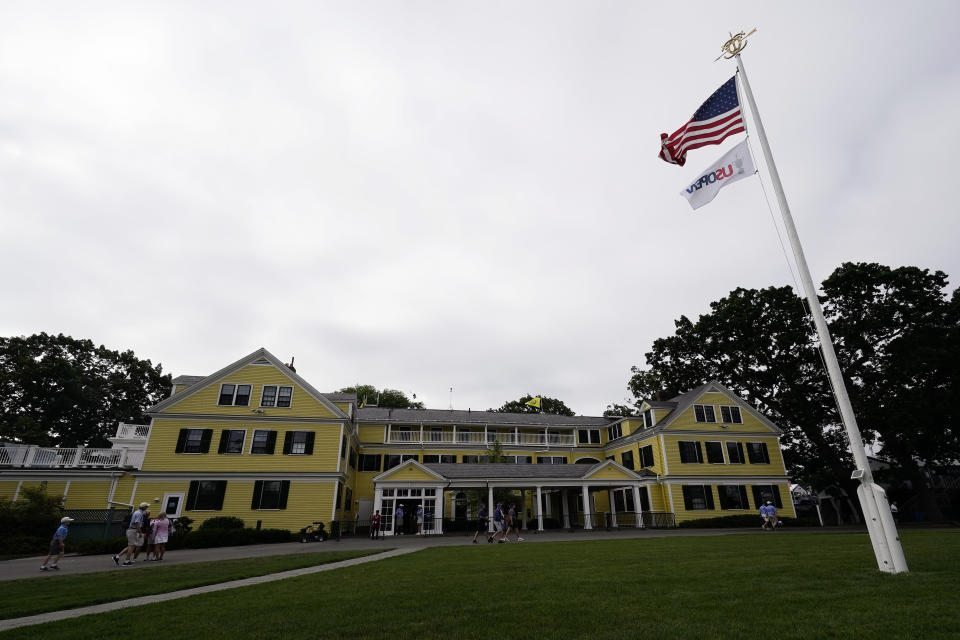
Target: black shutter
x,y
257,494
766,454
221,490
687,502
309,446
708,492
181,441
287,440
722,493
699,452
743,497
284,492
776,496
271,441
224,439
757,499
644,499
378,461
192,495
205,440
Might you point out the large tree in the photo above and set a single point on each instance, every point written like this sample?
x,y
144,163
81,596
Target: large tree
x,y
61,391
370,395
547,405
896,337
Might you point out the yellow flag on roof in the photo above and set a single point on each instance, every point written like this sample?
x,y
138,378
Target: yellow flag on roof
x,y
534,403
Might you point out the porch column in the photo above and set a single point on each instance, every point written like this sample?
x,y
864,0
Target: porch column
x,y
565,508
636,506
438,512
586,509
377,500
523,509
613,508
490,509
539,509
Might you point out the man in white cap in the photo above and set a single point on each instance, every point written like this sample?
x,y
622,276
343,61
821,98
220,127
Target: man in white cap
x,y
57,545
134,536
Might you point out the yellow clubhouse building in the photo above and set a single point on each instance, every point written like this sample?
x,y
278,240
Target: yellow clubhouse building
x,y
256,441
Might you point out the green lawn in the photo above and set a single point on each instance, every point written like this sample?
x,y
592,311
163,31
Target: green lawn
x,y
734,586
38,595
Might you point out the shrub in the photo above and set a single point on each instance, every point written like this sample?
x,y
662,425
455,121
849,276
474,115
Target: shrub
x,y
743,521
221,522
99,546
27,525
199,539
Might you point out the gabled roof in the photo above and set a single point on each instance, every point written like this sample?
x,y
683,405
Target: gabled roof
x,y
260,356
478,418
409,463
686,400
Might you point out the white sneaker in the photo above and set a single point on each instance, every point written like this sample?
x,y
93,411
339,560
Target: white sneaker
x,y
519,539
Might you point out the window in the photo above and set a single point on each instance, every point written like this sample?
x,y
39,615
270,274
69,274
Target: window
x,y
715,452
348,501
588,436
648,418
339,496
690,451
270,494
436,458
730,415
231,440
763,493
757,452
646,456
353,458
476,459
264,442
206,495
551,460
194,440
697,497
390,461
274,396
614,431
733,497
627,457
735,452
623,500
298,443
369,462
236,395
704,413
343,447
409,456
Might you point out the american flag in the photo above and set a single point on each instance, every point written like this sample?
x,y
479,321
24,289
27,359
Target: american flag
x,y
717,118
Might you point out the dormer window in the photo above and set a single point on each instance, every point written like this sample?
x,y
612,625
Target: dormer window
x,y
234,395
704,413
648,418
730,415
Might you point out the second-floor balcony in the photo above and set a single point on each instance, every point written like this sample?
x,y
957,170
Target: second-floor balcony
x,y
441,438
29,456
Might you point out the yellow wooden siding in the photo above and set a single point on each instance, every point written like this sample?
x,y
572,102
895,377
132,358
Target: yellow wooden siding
x,y
123,490
177,388
87,494
786,511
8,488
204,401
678,468
658,498
688,421
610,473
161,451
410,473
54,488
371,433
660,414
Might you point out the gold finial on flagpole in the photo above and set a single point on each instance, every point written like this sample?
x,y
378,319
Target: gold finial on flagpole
x,y
735,45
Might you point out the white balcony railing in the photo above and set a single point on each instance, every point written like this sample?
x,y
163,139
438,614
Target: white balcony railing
x,y
32,456
133,431
480,438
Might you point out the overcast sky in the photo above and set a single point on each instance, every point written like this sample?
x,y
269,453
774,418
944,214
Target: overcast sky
x,y
425,195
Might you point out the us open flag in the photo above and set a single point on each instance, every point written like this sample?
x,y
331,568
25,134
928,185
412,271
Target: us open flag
x,y
735,164
720,116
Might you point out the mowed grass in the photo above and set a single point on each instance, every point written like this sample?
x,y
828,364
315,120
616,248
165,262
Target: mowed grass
x,y
732,586
39,595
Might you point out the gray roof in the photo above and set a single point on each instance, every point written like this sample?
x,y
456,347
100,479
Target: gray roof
x,y
451,416
188,380
341,397
503,470
662,404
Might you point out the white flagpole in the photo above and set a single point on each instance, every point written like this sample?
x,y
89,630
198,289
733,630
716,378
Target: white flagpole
x,y
873,499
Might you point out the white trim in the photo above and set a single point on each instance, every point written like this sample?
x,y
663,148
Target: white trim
x,y
341,449
113,490
276,396
133,492
66,490
333,503
16,492
180,504
663,456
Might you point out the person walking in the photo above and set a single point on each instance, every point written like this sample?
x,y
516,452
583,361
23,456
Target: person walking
x,y
57,545
161,533
398,521
498,525
375,526
769,514
144,536
513,524
420,520
895,512
481,523
134,536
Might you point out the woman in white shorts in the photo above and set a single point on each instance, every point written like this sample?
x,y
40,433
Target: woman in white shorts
x,y
161,533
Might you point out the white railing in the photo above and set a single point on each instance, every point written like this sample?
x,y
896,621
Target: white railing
x,y
138,431
478,437
68,457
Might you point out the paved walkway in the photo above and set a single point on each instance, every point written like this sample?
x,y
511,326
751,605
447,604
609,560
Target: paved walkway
x,y
71,565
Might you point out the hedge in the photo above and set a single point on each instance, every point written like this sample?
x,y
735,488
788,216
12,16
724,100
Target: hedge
x,y
743,521
200,539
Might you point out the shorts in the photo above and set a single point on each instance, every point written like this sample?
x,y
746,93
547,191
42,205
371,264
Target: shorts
x,y
134,538
55,548
481,525
499,526
419,520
